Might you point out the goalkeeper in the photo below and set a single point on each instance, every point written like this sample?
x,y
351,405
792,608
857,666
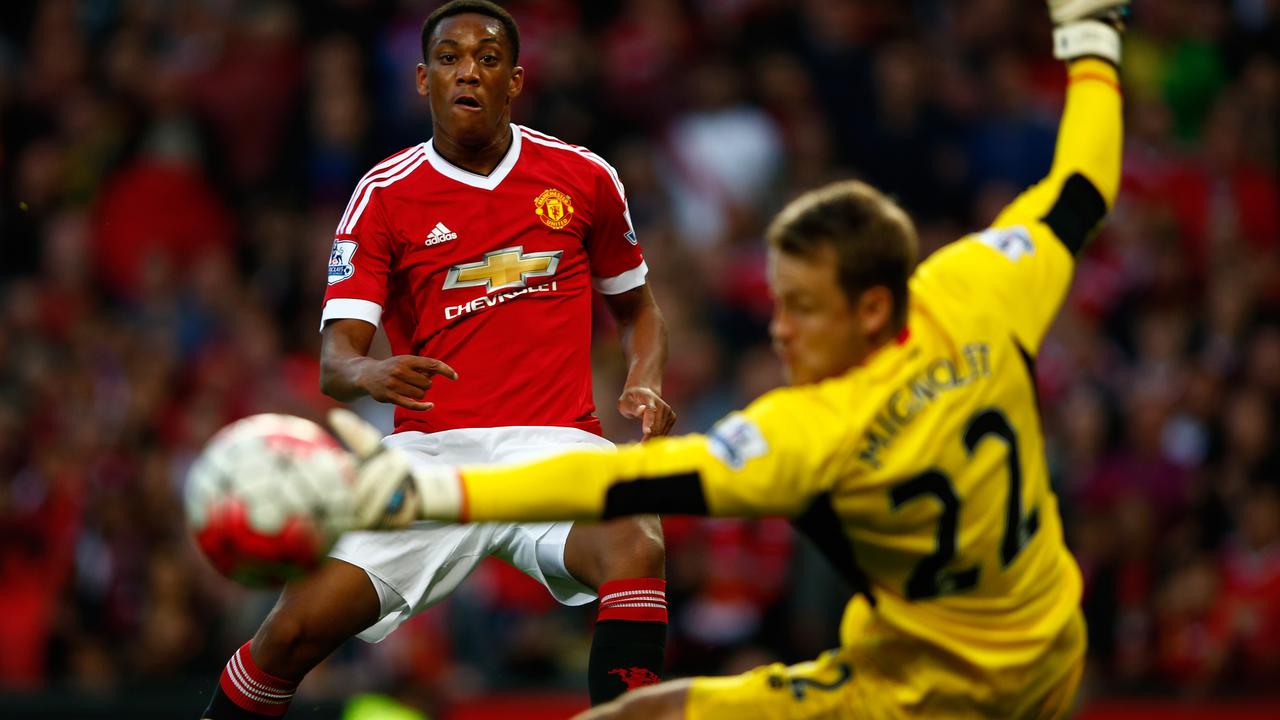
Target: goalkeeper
x,y
909,446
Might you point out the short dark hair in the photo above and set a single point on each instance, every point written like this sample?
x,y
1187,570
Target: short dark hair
x,y
874,239
479,7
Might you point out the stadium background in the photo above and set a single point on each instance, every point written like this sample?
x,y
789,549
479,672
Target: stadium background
x,y
170,174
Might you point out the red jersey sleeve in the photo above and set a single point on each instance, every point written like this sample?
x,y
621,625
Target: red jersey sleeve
x,y
617,265
360,260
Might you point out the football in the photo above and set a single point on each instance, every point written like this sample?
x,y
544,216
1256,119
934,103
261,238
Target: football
x,y
268,496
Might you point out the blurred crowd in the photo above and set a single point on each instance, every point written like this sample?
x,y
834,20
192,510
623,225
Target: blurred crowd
x,y
171,173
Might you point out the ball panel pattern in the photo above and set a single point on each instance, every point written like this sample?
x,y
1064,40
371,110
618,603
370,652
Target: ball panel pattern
x,y
268,496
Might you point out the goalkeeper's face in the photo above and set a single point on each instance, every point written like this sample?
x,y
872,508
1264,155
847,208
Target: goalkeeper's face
x,y
817,331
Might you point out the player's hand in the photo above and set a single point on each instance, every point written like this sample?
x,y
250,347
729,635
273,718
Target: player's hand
x,y
655,415
403,380
1087,28
1069,11
391,491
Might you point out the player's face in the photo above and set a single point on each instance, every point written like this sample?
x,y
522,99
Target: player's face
x,y
470,79
817,332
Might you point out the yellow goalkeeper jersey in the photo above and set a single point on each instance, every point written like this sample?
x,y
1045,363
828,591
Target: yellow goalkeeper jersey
x,y
921,473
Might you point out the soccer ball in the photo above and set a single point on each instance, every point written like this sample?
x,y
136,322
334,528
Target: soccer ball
x,y
268,496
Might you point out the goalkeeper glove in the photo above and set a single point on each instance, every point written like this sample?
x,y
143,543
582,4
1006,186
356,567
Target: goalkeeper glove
x,y
1087,28
392,492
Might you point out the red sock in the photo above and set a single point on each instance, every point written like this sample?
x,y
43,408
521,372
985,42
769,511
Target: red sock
x,y
252,688
637,599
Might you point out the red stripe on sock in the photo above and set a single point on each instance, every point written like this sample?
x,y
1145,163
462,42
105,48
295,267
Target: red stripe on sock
x,y
253,688
634,599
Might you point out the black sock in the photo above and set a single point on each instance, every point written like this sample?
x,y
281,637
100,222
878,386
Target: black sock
x,y
625,654
221,708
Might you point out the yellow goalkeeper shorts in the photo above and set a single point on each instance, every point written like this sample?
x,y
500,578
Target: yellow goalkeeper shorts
x,y
823,688
831,687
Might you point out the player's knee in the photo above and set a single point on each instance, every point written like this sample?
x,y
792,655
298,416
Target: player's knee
x,y
636,549
651,555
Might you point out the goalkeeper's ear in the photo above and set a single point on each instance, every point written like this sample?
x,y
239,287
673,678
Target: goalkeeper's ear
x,y
1087,28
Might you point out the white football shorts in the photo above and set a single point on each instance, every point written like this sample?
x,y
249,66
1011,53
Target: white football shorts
x,y
415,568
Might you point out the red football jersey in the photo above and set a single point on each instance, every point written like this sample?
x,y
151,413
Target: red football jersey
x,y
490,274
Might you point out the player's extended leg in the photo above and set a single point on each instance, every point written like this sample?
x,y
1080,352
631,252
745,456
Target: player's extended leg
x,y
656,702
823,688
312,618
625,560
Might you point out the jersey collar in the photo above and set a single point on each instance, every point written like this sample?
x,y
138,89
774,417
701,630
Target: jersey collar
x,y
466,177
884,359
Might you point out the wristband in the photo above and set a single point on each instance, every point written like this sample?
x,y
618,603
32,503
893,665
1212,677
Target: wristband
x,y
1087,38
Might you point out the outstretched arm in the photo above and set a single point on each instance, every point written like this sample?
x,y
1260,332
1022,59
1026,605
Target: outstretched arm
x,y
1022,264
1081,186
772,459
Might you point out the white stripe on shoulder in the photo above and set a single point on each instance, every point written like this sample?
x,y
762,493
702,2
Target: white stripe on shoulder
x,y
530,131
552,142
406,168
374,173
381,171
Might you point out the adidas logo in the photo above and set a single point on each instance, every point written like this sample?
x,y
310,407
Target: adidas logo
x,y
440,234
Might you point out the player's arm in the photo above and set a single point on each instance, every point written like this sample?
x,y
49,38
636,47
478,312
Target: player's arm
x,y
359,273
1082,184
771,460
347,372
643,333
1023,263
618,274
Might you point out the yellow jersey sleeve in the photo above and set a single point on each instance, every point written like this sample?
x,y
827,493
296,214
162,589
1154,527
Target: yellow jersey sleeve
x,y
771,459
1023,263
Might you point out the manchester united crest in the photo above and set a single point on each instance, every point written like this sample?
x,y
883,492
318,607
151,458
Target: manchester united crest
x,y
553,208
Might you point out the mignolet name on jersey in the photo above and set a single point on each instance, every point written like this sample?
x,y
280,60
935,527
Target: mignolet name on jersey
x,y
938,377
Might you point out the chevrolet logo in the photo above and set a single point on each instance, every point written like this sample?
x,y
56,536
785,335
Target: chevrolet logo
x,y
502,269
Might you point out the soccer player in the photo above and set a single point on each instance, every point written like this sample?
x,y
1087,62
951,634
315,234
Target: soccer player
x,y
909,446
477,251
